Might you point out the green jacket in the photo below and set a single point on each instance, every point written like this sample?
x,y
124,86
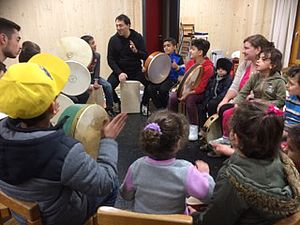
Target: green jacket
x,y
271,89
253,192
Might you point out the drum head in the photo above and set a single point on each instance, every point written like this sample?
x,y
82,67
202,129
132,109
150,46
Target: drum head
x,y
64,102
158,67
76,49
79,80
190,80
88,128
84,124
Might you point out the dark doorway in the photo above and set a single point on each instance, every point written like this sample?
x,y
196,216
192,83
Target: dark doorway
x,y
160,20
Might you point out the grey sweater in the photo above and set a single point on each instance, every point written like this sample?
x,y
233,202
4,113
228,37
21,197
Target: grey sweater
x,y
65,200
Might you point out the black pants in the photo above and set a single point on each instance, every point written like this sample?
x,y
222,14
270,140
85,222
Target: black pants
x,y
159,93
113,79
222,110
207,110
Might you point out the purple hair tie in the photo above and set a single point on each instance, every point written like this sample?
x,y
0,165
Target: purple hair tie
x,y
153,126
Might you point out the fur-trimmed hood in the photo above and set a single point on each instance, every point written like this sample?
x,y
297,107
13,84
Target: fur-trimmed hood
x,y
262,185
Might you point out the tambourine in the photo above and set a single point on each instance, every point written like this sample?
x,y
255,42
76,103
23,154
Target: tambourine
x,y
212,128
84,124
190,80
158,66
76,49
79,79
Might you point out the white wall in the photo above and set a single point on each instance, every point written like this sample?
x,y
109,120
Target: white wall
x,y
46,21
228,22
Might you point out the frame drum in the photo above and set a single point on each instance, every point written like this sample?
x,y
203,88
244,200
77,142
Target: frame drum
x,y
64,102
79,79
84,124
158,66
76,49
190,80
212,128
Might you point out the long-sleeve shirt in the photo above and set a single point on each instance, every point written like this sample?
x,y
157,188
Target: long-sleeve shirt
x,y
271,89
121,58
162,186
207,73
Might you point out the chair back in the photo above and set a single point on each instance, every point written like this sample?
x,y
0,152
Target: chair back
x,y
113,216
28,210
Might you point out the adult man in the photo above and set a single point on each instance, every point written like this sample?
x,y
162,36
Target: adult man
x,y
9,41
126,49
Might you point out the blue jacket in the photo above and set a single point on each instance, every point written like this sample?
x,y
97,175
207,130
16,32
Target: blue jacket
x,y
174,74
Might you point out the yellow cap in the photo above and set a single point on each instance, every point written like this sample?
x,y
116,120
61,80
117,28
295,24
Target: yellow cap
x,y
28,89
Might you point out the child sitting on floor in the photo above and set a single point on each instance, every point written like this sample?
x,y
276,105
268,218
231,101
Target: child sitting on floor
x,y
159,183
258,184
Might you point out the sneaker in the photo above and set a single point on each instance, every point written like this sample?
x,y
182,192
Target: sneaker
x,y
193,133
221,140
116,107
144,110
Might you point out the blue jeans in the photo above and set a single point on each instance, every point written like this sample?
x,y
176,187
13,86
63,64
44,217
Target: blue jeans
x,y
108,92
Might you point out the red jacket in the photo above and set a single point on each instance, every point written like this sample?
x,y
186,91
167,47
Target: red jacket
x,y
208,72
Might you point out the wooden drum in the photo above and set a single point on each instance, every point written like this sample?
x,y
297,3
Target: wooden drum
x,y
158,66
212,128
84,124
130,96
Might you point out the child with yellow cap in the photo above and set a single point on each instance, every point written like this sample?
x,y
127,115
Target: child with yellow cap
x,y
39,163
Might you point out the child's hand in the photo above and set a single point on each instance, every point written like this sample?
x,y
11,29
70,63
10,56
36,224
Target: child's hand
x,y
250,97
174,65
114,127
191,210
202,166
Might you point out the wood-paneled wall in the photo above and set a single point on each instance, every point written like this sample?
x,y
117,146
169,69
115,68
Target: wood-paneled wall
x,y
46,21
228,22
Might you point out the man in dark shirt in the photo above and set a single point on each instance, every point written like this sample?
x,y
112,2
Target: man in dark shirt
x,y
9,41
126,49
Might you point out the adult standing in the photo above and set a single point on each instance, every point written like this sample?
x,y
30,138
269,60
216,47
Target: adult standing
x,y
126,49
9,41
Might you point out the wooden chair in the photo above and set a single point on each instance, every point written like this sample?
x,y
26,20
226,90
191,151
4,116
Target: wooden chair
x,y
291,220
28,210
113,216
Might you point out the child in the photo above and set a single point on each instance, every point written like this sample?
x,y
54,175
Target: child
x,y
267,85
94,69
29,49
215,91
258,184
292,110
159,93
293,145
159,183
194,97
39,163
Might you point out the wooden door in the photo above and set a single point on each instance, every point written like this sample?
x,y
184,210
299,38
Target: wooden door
x,y
295,53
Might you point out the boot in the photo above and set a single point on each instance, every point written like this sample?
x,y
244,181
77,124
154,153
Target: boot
x,y
193,135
